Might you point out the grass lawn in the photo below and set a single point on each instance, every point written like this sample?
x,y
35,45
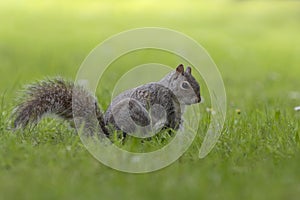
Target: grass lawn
x,y
256,46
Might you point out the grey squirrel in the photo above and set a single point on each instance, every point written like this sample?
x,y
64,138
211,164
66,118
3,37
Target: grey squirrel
x,y
158,104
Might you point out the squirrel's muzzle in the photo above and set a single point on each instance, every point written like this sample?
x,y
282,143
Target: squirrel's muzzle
x,y
198,99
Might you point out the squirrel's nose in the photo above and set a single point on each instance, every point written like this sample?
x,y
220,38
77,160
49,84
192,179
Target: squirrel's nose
x,y
198,99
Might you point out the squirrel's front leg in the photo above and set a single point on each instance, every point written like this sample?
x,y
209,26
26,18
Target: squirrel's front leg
x,y
128,115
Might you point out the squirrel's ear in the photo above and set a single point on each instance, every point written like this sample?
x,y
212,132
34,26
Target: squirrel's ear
x,y
180,69
188,70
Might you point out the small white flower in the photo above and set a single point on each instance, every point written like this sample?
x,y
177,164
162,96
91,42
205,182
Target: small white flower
x,y
238,111
297,108
211,110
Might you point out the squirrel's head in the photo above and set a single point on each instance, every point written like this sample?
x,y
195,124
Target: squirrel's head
x,y
185,86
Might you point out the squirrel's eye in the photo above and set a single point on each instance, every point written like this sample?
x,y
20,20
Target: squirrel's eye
x,y
185,85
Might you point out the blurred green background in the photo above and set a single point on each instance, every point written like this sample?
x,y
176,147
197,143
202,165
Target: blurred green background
x,y
256,46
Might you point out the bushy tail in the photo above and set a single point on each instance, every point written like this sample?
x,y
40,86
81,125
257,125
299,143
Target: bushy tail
x,y
50,96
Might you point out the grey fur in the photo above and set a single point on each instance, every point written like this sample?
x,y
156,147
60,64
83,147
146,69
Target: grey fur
x,y
158,104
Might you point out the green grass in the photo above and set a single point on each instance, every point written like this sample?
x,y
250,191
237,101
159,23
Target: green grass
x,y
256,46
